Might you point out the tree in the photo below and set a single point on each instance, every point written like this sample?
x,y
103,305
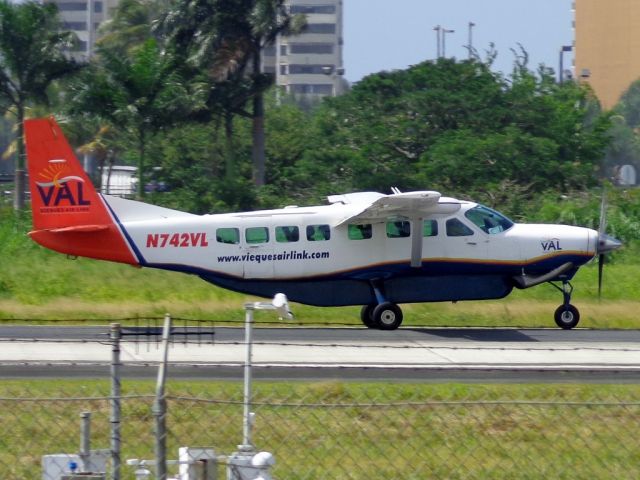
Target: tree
x,y
131,24
459,127
138,93
32,56
225,38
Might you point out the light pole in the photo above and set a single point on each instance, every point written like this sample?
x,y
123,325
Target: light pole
x,y
470,46
444,35
437,29
564,48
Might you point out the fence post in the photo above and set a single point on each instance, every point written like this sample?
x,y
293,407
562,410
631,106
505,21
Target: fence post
x,y
85,441
247,416
115,336
160,405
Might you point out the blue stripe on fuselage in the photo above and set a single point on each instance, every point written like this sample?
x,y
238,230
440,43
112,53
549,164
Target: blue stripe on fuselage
x,y
453,280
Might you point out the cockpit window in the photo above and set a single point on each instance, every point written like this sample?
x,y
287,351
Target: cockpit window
x,y
489,221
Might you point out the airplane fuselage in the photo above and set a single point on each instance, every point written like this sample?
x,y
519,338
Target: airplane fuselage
x,y
284,250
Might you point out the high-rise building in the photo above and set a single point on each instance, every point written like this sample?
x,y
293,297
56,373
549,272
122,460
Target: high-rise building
x,y
310,64
84,17
607,42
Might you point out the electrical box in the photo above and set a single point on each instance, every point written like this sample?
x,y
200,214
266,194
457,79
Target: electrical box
x,y
83,476
197,463
55,466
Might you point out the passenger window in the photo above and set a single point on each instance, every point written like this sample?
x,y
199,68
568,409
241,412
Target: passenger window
x,y
399,229
318,233
228,235
287,234
430,228
256,235
359,232
455,228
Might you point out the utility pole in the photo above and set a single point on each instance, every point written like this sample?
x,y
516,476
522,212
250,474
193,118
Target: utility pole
x,y
470,45
564,48
437,29
444,35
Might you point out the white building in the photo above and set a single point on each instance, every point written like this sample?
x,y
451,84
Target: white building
x,y
84,17
311,63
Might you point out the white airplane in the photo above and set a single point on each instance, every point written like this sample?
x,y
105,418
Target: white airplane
x,y
364,248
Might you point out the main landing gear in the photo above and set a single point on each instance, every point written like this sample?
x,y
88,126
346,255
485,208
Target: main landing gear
x,y
566,316
385,316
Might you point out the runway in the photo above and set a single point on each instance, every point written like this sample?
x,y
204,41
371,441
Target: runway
x,y
407,354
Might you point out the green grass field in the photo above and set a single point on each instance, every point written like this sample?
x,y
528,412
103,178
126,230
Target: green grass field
x,y
346,430
39,284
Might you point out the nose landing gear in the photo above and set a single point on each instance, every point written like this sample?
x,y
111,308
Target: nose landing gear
x,y
566,315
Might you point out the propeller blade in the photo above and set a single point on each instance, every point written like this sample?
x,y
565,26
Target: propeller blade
x,y
601,260
603,214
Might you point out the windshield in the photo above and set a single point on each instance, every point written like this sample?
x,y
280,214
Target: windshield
x,y
489,221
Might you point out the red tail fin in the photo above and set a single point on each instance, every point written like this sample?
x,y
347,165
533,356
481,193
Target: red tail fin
x,y
69,216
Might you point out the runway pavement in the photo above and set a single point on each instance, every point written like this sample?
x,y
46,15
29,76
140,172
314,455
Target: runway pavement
x,y
414,352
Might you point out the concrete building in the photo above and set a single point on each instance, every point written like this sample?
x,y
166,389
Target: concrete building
x,y
607,42
84,17
310,64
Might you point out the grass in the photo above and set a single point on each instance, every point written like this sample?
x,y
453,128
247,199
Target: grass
x,y
340,430
39,284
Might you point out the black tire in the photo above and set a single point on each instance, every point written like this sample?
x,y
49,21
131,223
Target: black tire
x,y
567,317
366,315
387,316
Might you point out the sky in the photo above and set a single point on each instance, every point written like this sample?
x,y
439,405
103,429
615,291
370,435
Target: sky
x,y
393,34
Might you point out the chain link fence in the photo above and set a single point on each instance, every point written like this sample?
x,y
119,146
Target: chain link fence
x,y
334,429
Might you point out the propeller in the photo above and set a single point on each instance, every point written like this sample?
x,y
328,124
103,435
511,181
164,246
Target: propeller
x,y
606,243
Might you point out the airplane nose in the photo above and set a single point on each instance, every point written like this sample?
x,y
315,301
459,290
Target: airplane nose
x,y
607,243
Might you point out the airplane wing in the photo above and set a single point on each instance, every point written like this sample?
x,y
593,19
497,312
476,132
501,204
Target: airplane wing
x,y
378,208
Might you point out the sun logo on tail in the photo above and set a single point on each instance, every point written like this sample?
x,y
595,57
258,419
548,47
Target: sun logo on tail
x,y
54,172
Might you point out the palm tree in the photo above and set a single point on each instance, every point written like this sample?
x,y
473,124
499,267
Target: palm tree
x,y
32,56
130,24
225,39
267,20
138,93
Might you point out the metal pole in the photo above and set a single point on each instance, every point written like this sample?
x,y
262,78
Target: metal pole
x,y
85,441
115,400
160,404
560,66
444,35
90,28
246,421
471,25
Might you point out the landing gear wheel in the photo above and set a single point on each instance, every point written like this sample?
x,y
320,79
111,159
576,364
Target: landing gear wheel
x,y
366,315
387,316
567,316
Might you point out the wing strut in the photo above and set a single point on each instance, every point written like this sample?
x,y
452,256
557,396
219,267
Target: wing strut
x,y
416,242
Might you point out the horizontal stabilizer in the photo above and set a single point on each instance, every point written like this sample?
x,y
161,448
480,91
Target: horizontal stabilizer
x,y
527,281
80,229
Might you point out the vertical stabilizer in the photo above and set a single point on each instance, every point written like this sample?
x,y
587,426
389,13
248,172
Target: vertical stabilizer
x,y
69,216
